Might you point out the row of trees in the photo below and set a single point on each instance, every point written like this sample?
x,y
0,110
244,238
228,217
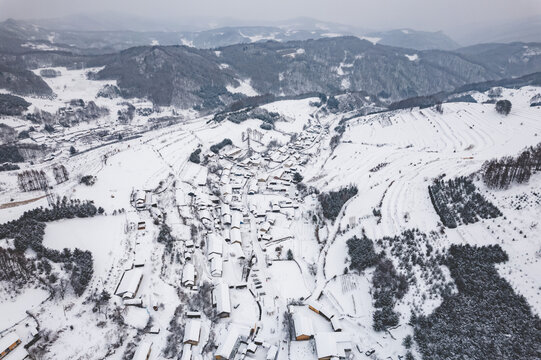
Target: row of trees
x,y
332,201
340,130
9,167
14,266
60,173
457,201
500,174
30,180
486,319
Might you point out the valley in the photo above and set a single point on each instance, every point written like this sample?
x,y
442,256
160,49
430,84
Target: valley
x,y
209,237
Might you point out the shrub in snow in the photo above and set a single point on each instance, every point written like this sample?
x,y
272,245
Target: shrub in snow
x,y
88,180
195,156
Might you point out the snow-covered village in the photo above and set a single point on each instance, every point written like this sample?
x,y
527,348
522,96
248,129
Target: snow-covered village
x,y
317,226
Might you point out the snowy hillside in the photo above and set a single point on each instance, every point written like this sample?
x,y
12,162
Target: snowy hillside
x,y
208,239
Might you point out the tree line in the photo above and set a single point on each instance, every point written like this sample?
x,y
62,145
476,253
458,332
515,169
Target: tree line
x,y
501,173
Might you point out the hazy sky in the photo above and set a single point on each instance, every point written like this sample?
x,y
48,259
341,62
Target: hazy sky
x,y
447,15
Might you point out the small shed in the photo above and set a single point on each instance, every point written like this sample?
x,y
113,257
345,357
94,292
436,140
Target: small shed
x,y
236,220
336,324
326,347
272,354
192,332
216,266
303,327
129,283
235,236
188,275
215,245
143,351
11,344
221,300
228,347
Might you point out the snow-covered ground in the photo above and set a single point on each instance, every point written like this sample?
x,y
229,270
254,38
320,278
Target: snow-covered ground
x,y
284,259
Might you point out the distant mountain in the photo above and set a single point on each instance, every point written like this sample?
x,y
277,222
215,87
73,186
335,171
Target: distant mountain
x,y
62,36
22,36
207,72
413,39
523,30
189,77
507,60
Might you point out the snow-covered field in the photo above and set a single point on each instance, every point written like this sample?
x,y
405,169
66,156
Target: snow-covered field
x,y
283,259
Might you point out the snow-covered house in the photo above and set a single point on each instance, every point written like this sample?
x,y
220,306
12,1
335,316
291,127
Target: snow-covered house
x,y
192,332
205,216
326,348
236,250
272,354
133,302
331,345
227,190
11,347
235,236
129,283
303,327
215,245
320,309
140,257
188,275
186,352
225,210
143,351
336,324
221,300
252,189
216,266
229,346
265,227
236,220
193,314
140,200
236,206
227,235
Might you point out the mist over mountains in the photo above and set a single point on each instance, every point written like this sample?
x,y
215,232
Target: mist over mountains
x,y
205,68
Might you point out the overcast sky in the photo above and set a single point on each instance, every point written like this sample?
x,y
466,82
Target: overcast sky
x,y
447,15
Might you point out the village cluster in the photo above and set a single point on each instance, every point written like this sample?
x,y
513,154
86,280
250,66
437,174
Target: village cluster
x,y
242,203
